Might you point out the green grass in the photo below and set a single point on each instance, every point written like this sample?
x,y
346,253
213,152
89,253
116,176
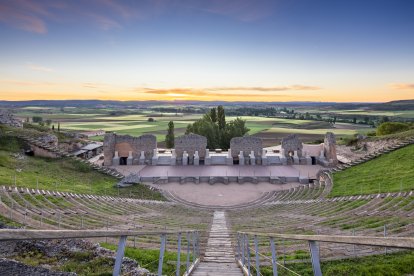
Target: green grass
x,y
148,258
6,221
391,172
62,174
395,264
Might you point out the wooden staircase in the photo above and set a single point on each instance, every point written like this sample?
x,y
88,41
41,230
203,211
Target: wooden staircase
x,y
219,256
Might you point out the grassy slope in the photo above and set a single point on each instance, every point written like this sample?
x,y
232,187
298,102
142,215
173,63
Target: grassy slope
x,y
392,264
61,174
390,172
148,258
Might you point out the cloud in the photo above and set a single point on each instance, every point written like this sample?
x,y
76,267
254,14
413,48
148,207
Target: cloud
x,y
402,86
265,89
243,10
104,23
225,91
35,67
27,83
23,15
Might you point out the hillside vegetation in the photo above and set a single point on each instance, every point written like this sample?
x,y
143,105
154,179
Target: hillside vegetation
x,y
62,174
391,172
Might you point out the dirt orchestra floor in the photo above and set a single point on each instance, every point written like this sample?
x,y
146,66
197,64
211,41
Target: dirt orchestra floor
x,y
219,193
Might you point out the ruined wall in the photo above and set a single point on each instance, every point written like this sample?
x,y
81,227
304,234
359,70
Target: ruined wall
x,y
246,144
329,148
292,143
40,152
190,143
126,143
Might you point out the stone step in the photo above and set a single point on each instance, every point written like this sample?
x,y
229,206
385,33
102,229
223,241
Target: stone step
x,y
218,257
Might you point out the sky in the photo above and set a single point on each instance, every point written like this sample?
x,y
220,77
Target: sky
x,y
227,50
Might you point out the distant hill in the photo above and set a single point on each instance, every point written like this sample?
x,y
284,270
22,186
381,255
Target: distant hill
x,y
394,105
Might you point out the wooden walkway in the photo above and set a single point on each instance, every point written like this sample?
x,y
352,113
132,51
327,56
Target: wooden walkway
x,y
219,257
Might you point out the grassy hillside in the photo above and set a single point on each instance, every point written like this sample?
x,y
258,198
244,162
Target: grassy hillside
x,y
399,263
392,172
63,174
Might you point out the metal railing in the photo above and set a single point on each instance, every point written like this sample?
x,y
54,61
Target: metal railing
x,y
192,237
243,249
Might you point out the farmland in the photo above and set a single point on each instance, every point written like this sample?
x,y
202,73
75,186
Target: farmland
x,y
270,129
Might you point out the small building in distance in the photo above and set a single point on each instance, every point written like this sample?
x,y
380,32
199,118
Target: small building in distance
x,y
91,133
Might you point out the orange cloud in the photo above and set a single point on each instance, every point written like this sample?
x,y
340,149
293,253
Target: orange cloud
x,y
227,91
402,86
265,89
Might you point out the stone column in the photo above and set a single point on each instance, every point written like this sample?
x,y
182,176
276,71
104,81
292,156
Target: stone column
x,y
207,158
173,158
185,158
295,157
283,157
115,160
155,157
196,158
229,158
241,158
129,159
142,158
252,158
264,157
308,159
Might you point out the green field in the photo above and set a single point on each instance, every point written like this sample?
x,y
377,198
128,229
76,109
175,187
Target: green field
x,y
391,172
270,129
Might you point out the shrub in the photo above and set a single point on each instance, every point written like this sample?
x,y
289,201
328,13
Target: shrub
x,y
391,127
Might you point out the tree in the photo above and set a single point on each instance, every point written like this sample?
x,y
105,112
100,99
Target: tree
x,y
53,127
354,120
37,119
59,126
218,137
48,122
391,127
213,115
221,117
169,138
151,119
384,119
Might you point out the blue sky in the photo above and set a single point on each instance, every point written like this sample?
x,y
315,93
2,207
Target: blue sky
x,y
278,50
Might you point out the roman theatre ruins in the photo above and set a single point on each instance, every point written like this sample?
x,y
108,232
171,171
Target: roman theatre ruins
x,y
212,177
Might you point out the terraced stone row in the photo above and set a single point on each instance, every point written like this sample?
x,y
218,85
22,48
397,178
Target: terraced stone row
x,y
362,215
341,167
41,209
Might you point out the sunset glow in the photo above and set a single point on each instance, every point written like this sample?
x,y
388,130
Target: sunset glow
x,y
207,50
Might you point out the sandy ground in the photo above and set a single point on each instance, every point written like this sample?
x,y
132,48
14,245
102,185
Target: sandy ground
x,y
223,194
